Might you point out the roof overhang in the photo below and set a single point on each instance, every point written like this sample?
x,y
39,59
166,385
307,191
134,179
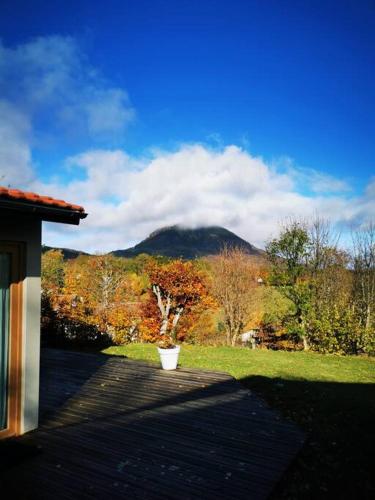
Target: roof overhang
x,y
44,212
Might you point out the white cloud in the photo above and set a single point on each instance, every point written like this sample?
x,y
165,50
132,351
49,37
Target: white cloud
x,y
15,152
323,183
319,182
50,79
48,83
311,179
128,198
365,209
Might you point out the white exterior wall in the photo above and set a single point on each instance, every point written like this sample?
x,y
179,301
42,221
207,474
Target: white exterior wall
x,y
26,229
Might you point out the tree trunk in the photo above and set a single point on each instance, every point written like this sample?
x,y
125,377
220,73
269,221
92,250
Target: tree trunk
x,y
235,337
164,310
229,337
305,343
368,316
176,318
164,326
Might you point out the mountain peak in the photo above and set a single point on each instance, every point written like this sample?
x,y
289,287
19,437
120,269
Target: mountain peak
x,y
164,229
189,243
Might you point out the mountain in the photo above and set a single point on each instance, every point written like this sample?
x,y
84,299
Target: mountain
x,y
177,241
68,253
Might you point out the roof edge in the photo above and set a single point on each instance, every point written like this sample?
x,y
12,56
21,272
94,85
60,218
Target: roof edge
x,y
44,212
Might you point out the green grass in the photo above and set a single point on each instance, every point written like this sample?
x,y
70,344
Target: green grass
x,y
332,398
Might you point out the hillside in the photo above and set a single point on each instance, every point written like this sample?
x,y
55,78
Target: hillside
x,y
176,241
68,253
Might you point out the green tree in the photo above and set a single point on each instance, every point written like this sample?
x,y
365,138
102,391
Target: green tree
x,y
289,254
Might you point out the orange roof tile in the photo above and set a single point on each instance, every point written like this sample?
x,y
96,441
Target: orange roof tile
x,y
16,194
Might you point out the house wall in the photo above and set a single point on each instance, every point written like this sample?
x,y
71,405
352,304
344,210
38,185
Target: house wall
x,y
27,229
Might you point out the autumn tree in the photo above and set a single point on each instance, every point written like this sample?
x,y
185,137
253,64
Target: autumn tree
x,y
52,271
177,287
105,277
124,313
235,277
53,275
99,290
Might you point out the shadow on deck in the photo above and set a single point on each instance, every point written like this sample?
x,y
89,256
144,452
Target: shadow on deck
x,y
115,428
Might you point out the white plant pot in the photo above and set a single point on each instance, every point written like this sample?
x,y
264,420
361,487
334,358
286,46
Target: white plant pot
x,y
169,357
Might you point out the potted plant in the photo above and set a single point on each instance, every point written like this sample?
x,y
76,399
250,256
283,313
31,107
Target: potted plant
x,y
176,287
168,352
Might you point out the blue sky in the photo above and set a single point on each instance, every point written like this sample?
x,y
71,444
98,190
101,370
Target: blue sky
x,y
289,84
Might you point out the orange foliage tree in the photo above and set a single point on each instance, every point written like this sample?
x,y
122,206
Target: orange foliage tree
x,y
52,285
177,289
107,298
102,292
52,272
97,297
235,279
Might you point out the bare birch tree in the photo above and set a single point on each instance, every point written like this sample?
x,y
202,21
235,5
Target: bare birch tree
x,y
323,242
328,266
364,273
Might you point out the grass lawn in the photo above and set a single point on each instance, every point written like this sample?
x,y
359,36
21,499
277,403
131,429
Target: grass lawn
x,y
332,398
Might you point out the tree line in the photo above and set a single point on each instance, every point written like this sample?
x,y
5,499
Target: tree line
x,y
305,292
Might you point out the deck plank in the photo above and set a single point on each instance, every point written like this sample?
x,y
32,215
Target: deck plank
x,y
115,428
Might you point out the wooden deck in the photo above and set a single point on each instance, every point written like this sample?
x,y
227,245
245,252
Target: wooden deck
x,y
114,428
